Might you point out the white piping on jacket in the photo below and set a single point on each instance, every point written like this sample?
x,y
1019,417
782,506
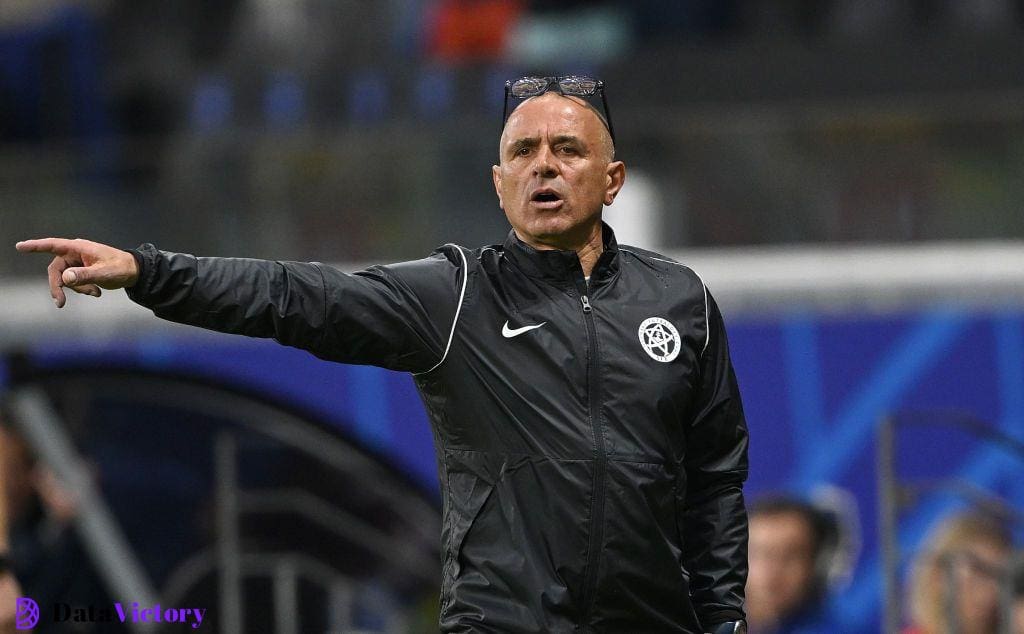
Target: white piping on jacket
x,y
458,310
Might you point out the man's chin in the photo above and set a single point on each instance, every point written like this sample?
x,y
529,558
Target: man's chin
x,y
551,227
556,231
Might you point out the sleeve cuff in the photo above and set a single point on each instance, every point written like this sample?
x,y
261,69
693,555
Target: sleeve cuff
x,y
144,258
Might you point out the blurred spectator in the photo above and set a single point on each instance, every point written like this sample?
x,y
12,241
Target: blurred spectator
x,y
46,555
792,545
976,546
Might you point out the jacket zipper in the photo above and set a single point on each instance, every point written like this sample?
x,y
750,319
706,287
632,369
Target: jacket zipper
x,y
600,469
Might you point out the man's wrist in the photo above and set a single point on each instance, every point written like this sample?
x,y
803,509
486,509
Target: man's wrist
x,y
139,264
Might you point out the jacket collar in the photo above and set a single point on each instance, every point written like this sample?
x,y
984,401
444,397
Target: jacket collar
x,y
563,266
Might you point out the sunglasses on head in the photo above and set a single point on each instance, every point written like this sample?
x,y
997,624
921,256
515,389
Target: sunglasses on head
x,y
567,85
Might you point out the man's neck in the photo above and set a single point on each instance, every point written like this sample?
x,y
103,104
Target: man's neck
x,y
588,252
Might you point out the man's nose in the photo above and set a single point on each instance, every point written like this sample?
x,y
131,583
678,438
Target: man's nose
x,y
545,166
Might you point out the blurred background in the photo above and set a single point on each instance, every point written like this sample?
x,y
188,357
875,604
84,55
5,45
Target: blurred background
x,y
846,175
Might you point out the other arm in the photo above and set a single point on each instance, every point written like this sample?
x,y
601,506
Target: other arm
x,y
714,518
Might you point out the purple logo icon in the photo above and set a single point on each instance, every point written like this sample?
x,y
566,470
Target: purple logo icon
x,y
27,614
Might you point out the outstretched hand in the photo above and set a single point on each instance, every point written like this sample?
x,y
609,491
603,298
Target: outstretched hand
x,y
83,266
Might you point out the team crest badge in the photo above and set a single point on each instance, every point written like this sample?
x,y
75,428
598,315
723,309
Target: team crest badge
x,y
660,339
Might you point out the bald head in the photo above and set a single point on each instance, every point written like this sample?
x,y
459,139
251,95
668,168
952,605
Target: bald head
x,y
602,138
556,172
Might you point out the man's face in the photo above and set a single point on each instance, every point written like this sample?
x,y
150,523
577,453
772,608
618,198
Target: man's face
x,y
977,574
555,172
781,555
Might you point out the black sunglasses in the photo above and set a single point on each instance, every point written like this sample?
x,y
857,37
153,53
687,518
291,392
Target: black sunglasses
x,y
568,85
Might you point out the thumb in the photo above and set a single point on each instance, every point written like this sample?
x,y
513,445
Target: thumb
x,y
76,276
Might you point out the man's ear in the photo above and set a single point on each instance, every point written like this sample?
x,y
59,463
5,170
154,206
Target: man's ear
x,y
496,177
616,176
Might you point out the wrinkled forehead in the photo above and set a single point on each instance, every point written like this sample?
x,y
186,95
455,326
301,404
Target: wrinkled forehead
x,y
552,108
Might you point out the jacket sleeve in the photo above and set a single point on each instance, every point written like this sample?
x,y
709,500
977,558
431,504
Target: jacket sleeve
x,y
397,316
714,521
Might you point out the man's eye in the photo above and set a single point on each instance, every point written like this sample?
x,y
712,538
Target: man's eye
x,y
567,149
523,151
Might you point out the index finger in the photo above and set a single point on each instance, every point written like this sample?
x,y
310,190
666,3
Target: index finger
x,y
57,246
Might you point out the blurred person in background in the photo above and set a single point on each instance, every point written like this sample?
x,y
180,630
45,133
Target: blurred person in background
x,y
977,547
792,545
590,436
44,552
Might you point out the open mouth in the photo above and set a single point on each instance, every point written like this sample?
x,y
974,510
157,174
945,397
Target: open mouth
x,y
546,198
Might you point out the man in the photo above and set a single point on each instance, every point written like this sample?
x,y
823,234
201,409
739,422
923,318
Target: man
x,y
589,433
789,544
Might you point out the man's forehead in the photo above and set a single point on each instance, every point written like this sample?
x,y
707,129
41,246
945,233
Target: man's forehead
x,y
553,108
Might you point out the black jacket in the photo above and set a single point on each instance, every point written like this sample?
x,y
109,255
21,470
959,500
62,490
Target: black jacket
x,y
590,440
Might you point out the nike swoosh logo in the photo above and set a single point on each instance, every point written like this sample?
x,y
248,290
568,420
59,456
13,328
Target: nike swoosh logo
x,y
508,333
